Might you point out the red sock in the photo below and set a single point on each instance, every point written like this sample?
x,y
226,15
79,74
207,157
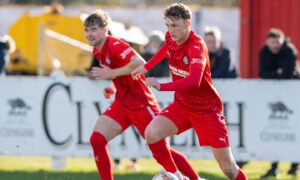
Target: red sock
x,y
183,165
161,153
241,175
102,157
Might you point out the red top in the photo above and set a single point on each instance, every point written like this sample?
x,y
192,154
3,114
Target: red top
x,y
189,66
132,94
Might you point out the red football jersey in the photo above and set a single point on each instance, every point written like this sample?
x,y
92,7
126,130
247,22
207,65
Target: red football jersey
x,y
189,62
132,94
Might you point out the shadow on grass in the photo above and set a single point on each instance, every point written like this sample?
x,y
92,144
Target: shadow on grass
x,y
48,175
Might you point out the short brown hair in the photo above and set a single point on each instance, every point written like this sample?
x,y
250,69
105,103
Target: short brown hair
x,y
275,33
99,18
178,10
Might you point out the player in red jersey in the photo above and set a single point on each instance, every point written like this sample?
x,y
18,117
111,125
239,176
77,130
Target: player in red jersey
x,y
134,103
196,102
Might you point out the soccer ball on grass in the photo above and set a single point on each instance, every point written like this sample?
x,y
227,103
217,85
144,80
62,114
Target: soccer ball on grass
x,y
164,176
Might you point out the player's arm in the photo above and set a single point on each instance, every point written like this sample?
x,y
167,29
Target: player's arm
x,y
135,61
105,72
159,56
196,70
126,58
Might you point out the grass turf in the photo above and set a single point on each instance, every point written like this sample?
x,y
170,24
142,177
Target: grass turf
x,y
39,168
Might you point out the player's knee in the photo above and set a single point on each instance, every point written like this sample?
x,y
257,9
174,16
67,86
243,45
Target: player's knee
x,y
151,135
93,139
97,139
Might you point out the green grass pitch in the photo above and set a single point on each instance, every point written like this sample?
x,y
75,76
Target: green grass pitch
x,y
39,168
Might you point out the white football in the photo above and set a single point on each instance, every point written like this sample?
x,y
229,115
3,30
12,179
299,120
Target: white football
x,y
164,176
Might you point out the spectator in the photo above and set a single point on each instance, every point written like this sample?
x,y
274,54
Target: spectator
x,y
219,56
7,46
278,57
156,39
278,61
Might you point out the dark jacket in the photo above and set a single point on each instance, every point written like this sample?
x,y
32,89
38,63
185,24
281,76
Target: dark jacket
x,y
286,59
3,51
221,65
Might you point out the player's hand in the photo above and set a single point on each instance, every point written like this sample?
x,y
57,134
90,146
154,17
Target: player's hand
x,y
89,74
152,82
138,72
95,73
108,92
103,72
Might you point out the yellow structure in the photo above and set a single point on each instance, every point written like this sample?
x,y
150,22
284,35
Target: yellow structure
x,y
37,50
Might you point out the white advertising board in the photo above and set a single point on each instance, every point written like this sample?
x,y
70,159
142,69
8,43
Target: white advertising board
x,y
44,116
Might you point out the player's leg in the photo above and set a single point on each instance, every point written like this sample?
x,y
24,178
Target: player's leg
x,y
105,130
108,126
160,128
160,150
117,163
272,171
293,169
177,116
183,165
227,163
212,131
132,165
169,122
165,125
155,138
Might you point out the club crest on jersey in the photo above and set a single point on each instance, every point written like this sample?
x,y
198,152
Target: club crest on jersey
x,y
107,61
185,60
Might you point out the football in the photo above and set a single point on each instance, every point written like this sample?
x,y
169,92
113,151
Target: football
x,y
164,176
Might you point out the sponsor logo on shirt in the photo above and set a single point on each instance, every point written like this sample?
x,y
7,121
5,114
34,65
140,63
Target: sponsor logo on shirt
x,y
197,60
125,53
185,60
116,43
179,72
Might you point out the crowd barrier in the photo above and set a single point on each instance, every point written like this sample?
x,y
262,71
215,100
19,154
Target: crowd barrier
x,y
41,116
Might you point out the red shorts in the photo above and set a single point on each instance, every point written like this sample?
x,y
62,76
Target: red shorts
x,y
210,126
140,118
